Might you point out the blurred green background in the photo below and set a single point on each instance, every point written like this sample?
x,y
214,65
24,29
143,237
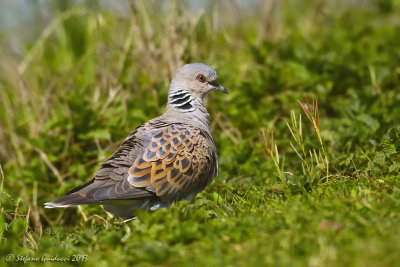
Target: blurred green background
x,y
77,76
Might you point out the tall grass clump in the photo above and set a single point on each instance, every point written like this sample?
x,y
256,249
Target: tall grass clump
x,y
314,161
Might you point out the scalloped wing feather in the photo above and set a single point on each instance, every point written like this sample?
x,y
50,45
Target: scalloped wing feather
x,y
178,159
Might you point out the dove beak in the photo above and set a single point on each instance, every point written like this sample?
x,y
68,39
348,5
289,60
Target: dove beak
x,y
219,87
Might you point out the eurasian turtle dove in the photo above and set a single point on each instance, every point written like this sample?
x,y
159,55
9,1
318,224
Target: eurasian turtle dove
x,y
167,159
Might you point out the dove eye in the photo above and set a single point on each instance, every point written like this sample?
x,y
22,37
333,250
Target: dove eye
x,y
201,78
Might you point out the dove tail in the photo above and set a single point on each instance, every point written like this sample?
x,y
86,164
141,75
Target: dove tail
x,y
72,199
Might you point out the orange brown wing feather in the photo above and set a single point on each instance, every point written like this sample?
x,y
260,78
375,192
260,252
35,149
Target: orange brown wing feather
x,y
177,159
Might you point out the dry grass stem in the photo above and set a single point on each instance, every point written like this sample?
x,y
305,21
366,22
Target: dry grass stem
x,y
2,179
312,112
50,165
267,137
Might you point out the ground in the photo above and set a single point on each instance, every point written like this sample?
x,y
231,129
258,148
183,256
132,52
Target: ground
x,y
308,138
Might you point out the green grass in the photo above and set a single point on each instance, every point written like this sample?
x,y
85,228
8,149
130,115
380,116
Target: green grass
x,y
90,76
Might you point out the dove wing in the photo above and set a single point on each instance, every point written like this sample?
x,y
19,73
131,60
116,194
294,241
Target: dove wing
x,y
179,160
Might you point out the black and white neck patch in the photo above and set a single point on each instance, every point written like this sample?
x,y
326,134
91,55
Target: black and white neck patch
x,y
182,100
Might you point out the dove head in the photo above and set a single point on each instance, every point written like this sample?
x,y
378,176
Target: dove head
x,y
190,84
